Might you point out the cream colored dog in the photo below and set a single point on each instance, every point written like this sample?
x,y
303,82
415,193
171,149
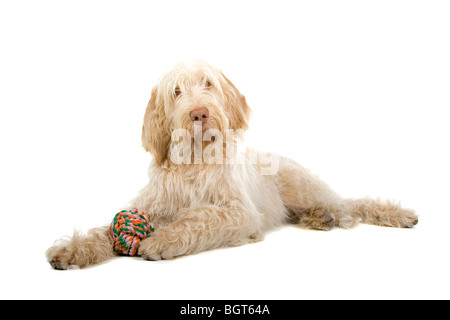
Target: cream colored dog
x,y
203,195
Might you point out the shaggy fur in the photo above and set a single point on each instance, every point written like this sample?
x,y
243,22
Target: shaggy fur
x,y
202,205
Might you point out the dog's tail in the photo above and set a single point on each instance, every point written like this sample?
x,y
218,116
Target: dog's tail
x,y
375,211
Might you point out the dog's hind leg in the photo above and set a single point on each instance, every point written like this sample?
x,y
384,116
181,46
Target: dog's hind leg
x,y
81,250
313,204
310,201
380,213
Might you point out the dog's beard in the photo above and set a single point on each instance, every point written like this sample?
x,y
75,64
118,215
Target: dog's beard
x,y
196,143
217,119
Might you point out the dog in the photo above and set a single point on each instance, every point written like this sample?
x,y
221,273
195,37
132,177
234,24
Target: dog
x,y
203,194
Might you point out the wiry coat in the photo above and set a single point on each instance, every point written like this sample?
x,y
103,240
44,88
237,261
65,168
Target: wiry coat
x,y
223,200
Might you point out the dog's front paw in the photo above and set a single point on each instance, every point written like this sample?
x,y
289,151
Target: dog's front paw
x,y
61,256
156,247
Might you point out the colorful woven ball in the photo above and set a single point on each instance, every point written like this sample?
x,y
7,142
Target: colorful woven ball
x,y
128,228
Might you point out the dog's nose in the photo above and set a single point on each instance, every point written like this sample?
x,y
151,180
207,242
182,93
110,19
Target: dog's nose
x,y
200,114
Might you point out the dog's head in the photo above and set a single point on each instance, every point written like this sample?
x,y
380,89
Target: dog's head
x,y
194,92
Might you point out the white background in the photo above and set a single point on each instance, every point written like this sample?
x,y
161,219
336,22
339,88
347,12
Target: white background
x,y
358,91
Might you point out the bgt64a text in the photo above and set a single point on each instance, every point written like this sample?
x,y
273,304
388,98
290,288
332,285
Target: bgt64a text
x,y
244,309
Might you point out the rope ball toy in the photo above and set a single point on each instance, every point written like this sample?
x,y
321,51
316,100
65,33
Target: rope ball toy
x,y
128,228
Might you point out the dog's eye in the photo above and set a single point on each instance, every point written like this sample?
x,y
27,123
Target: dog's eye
x,y
207,84
177,92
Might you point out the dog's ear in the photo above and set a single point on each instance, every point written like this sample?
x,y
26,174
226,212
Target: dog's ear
x,y
239,113
155,131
